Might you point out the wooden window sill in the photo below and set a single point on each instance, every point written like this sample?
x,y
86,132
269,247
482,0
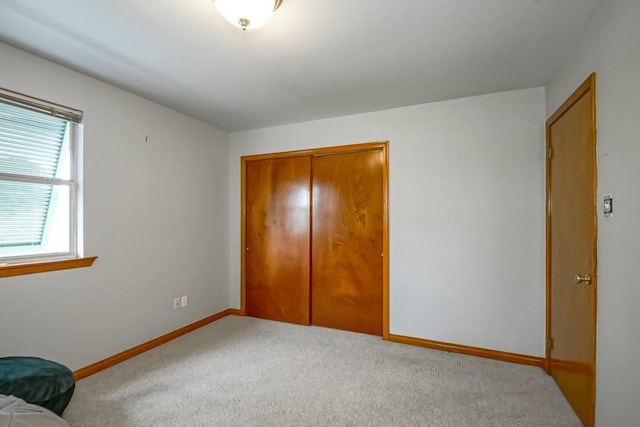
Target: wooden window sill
x,y
41,267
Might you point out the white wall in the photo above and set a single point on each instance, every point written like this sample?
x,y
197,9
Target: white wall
x,y
611,48
466,213
155,213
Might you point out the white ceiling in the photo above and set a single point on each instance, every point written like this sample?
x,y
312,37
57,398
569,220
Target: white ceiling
x,y
314,59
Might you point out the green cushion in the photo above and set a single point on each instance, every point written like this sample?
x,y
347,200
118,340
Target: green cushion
x,y
39,381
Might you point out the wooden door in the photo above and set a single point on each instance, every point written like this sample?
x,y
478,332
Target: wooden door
x,y
571,249
277,239
347,241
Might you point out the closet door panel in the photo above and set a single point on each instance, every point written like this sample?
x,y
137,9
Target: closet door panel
x,y
347,241
278,239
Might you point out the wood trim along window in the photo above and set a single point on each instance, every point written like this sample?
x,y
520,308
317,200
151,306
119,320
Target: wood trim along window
x,y
41,267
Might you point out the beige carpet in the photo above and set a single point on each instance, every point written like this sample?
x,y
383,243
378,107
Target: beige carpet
x,y
248,372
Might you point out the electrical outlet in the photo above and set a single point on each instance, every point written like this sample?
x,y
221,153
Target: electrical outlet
x,y
183,301
176,303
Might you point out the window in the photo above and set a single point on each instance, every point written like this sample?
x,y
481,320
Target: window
x,y
38,180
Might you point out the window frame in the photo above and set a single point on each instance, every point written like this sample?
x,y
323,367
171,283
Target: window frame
x,y
17,264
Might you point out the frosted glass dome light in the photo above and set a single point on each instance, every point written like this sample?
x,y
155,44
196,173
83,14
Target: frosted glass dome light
x,y
247,13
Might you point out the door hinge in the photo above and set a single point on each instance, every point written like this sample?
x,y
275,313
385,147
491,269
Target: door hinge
x,y
549,343
549,153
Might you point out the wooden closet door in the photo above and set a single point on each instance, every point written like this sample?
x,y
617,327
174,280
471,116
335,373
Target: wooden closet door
x,y
277,231
347,241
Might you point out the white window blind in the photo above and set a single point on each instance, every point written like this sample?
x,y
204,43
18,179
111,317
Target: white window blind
x,y
37,186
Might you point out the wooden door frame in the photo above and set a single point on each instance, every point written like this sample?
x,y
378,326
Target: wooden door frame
x,y
342,149
589,85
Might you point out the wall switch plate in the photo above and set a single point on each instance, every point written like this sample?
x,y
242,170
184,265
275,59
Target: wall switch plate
x,y
176,303
607,206
183,301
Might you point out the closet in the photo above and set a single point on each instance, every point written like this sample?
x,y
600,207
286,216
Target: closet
x,y
314,237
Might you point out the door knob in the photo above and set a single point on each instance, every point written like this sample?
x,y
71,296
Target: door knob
x,y
585,278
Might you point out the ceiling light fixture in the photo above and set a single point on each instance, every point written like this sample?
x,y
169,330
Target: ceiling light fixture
x,y
247,13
